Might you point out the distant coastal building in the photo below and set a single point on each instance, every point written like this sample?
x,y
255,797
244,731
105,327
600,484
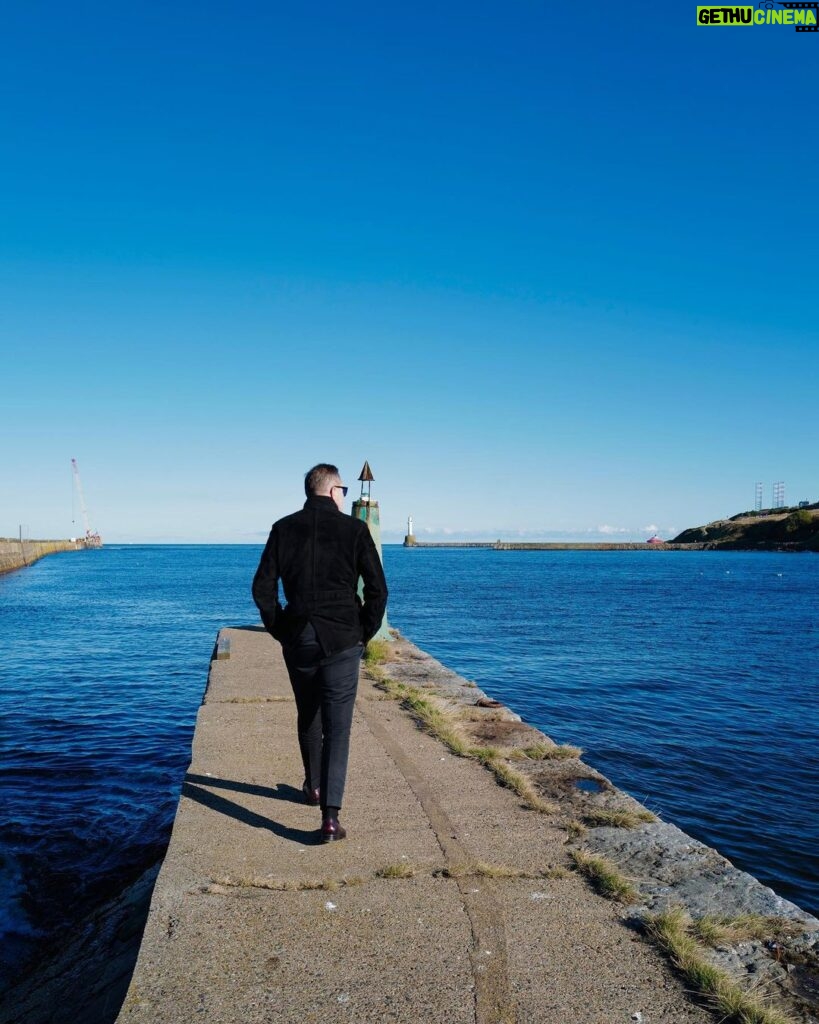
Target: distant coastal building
x,y
655,540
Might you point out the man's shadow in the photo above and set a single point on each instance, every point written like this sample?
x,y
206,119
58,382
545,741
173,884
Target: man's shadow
x,y
192,789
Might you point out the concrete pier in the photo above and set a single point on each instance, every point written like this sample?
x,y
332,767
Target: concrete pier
x,y
453,899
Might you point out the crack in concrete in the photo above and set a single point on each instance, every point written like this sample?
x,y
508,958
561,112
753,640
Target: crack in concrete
x,y
490,969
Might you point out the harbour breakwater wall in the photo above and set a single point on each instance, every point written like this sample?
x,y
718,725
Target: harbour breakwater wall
x,y
15,554
503,545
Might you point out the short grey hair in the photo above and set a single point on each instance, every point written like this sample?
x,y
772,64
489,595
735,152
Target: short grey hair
x,y
319,478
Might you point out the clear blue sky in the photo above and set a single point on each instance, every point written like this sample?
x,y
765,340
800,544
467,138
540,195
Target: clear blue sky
x,y
550,268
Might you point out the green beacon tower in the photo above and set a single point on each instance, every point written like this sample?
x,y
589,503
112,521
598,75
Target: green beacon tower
x,y
365,508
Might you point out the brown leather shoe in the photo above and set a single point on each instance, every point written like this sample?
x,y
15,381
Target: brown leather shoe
x,y
312,797
331,831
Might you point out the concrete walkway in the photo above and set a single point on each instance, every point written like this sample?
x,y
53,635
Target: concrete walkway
x,y
238,932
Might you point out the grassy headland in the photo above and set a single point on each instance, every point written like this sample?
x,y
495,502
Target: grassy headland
x,y
781,529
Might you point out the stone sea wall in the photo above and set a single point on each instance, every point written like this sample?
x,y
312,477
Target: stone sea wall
x,y
15,554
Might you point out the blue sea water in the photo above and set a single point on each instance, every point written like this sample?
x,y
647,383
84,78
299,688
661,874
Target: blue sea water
x,y
690,679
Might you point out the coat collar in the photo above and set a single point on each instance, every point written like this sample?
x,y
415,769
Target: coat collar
x,y
323,501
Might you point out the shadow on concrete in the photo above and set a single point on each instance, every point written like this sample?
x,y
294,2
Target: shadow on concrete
x,y
281,792
217,803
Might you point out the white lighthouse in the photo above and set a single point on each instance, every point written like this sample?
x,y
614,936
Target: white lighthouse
x,y
409,540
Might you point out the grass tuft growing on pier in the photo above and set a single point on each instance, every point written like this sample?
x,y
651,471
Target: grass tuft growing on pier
x,y
399,870
576,829
553,752
480,869
717,930
445,727
473,714
436,721
671,931
219,885
604,877
617,818
520,784
485,754
376,652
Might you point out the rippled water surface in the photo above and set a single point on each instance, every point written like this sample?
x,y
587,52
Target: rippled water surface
x,y
690,679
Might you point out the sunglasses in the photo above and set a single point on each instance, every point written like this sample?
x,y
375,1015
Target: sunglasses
x,y
341,487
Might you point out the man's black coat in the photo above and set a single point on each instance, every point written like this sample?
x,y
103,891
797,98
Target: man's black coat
x,y
319,554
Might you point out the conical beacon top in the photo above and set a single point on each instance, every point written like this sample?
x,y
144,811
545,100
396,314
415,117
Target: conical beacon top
x,y
366,477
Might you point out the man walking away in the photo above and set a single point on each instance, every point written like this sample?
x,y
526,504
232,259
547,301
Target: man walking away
x,y
319,554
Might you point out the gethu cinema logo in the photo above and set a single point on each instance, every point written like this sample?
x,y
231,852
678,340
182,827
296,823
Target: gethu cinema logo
x,y
801,15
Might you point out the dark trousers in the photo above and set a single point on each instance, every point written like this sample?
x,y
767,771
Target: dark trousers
x,y
325,689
